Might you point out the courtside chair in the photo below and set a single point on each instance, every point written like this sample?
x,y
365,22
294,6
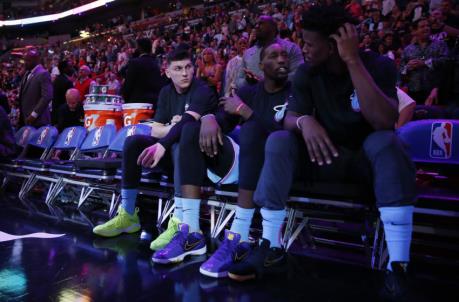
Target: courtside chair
x,y
94,147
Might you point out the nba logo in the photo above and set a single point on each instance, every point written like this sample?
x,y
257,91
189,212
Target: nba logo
x,y
130,131
441,143
69,137
97,136
43,135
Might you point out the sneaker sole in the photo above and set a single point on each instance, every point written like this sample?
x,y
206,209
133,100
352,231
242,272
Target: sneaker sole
x,y
241,278
181,257
212,274
132,229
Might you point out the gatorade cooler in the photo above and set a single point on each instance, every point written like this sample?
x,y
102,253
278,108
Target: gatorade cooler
x,y
99,89
133,113
100,115
108,99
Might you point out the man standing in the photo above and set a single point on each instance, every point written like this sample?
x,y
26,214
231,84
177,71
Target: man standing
x,y
143,77
36,91
266,33
422,64
61,84
84,82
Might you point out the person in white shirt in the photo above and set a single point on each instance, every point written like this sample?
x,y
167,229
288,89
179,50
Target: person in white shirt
x,y
233,68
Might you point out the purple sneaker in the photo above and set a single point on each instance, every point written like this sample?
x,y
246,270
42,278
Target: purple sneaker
x,y
182,245
230,251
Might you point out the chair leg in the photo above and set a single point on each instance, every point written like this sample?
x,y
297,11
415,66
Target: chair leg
x,y
85,192
163,213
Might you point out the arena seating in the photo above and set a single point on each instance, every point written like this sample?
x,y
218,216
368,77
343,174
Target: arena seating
x,y
317,212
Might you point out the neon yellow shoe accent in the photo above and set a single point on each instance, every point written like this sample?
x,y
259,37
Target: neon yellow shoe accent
x,y
165,237
123,222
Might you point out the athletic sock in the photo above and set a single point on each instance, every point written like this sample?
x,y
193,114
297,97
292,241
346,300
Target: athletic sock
x,y
242,221
128,199
272,224
191,213
398,227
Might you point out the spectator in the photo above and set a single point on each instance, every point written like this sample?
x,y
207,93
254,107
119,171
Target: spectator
x,y
7,142
209,70
266,34
421,64
36,91
143,77
234,67
4,102
84,81
62,83
114,85
71,113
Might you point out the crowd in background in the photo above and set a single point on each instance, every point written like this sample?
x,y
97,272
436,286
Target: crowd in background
x,y
420,36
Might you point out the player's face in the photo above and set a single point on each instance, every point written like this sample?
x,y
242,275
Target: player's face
x,y
181,73
275,64
317,49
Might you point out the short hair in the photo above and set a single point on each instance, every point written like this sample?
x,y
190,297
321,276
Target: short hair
x,y
62,65
326,20
416,23
263,50
178,55
144,45
72,92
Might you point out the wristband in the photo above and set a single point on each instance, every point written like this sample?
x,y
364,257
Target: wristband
x,y
298,120
34,114
238,108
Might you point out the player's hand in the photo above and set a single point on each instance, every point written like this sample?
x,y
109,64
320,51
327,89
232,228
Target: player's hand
x,y
210,136
347,42
231,104
151,156
320,147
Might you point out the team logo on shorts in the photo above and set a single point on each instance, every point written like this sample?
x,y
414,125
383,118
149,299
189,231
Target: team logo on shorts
x,y
69,137
97,135
43,135
441,143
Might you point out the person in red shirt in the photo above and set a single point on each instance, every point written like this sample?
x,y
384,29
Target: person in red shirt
x,y
84,82
354,8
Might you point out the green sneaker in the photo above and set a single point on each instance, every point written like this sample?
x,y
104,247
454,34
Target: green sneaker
x,y
165,237
121,223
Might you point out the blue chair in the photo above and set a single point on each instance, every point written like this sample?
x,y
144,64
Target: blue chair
x,y
432,141
50,170
41,141
94,147
109,166
21,138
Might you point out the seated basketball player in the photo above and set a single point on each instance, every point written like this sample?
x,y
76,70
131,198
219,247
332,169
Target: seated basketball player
x,y
182,101
255,108
339,127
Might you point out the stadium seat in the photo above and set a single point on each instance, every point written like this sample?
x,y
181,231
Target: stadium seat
x,y
37,149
